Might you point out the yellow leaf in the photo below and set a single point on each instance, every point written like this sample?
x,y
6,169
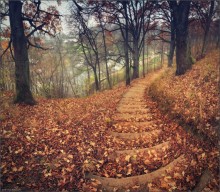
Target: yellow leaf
x,y
28,138
101,161
164,184
127,158
129,169
20,168
69,169
106,175
67,160
203,155
70,156
14,169
119,175
18,151
177,176
92,143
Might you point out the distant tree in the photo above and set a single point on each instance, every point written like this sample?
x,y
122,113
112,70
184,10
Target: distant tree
x,y
80,14
26,18
101,21
205,11
167,18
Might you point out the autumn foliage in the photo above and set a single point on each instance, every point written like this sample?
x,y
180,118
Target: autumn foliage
x,y
56,144
193,97
45,146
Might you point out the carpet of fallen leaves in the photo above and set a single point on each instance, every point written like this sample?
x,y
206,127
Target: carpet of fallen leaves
x,y
193,96
45,146
53,145
198,156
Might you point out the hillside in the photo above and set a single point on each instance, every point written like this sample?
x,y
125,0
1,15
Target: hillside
x,y
116,140
192,99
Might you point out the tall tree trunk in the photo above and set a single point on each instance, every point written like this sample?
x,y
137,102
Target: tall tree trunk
x,y
127,66
207,27
147,57
22,72
106,61
183,53
135,59
99,70
172,44
96,79
2,78
143,62
162,54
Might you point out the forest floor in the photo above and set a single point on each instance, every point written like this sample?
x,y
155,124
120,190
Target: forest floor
x,y
116,140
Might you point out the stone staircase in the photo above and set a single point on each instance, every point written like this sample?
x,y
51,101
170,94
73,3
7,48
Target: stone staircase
x,y
149,154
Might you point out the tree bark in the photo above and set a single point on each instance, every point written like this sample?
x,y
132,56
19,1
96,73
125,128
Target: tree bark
x,y
96,79
127,66
19,41
135,59
183,53
105,49
172,43
207,27
2,79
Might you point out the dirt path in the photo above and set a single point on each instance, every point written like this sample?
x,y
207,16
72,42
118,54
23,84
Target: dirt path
x,y
152,157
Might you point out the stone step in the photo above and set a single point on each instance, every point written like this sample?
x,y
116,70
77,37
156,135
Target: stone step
x,y
133,92
131,127
162,146
132,136
121,184
132,110
132,106
132,117
133,100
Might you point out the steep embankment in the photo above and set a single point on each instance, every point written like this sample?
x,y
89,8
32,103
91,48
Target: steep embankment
x,y
192,99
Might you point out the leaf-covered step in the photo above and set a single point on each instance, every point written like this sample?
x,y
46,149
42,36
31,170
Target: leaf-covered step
x,y
134,95
132,107
143,135
132,110
150,150
141,142
132,117
114,184
124,165
132,127
133,99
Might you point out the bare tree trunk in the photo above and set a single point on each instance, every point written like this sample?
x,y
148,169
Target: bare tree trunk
x,y
105,48
183,53
127,67
143,63
96,79
172,44
135,59
147,57
207,27
99,71
2,79
22,72
162,54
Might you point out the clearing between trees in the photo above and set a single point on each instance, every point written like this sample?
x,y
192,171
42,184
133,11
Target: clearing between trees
x,y
116,140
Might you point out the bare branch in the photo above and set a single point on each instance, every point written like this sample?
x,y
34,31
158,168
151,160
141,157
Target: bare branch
x,y
37,46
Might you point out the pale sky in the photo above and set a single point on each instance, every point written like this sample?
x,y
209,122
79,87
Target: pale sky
x,y
63,10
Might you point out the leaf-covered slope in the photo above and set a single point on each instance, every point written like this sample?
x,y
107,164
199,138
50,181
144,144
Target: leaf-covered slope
x,y
43,147
192,98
